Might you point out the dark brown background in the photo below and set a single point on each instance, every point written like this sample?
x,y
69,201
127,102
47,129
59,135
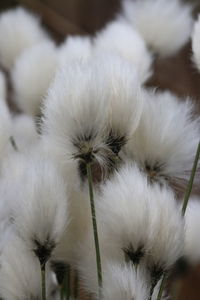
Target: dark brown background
x,y
175,73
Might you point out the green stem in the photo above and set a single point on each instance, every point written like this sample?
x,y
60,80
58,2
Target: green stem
x,y
162,286
190,183
95,231
43,280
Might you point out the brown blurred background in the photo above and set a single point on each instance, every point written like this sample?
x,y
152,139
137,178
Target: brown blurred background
x,y
63,17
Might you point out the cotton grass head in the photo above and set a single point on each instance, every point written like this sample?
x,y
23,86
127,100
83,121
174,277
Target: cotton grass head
x,y
32,74
138,220
75,48
196,43
22,30
157,22
20,272
162,146
40,212
118,37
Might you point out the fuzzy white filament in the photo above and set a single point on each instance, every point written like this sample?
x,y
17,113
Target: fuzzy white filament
x,y
157,22
119,37
32,74
40,212
19,29
162,146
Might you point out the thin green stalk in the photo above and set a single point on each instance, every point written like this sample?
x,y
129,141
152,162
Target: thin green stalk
x,y
95,230
190,183
43,281
162,286
184,207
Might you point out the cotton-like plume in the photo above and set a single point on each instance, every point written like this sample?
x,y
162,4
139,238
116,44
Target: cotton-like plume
x,y
192,225
162,146
75,113
20,272
2,86
40,210
32,74
75,48
19,30
196,43
119,37
24,132
124,101
157,22
138,220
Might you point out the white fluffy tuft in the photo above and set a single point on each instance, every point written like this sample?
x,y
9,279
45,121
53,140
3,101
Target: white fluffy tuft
x,y
119,37
163,146
32,74
165,25
19,29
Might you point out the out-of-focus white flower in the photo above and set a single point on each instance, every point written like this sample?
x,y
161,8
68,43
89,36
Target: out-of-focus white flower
x,y
75,48
157,22
19,29
32,74
40,210
119,37
196,43
20,272
161,145
192,225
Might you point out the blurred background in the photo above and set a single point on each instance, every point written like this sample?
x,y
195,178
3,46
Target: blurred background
x,y
177,73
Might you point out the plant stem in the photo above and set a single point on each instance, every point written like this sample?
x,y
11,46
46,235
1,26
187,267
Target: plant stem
x,y
68,282
190,183
95,230
76,282
43,280
162,286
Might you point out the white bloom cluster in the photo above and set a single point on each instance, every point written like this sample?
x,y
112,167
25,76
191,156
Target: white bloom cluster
x,y
88,127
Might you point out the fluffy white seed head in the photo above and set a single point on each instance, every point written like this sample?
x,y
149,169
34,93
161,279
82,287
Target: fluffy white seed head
x,y
192,225
19,29
196,43
137,219
119,37
125,282
40,210
75,48
24,132
20,272
2,86
163,146
32,74
157,22
75,111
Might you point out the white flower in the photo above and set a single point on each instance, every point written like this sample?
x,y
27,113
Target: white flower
x,y
196,43
40,209
166,139
20,272
192,225
119,37
19,29
75,48
2,86
157,22
32,74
